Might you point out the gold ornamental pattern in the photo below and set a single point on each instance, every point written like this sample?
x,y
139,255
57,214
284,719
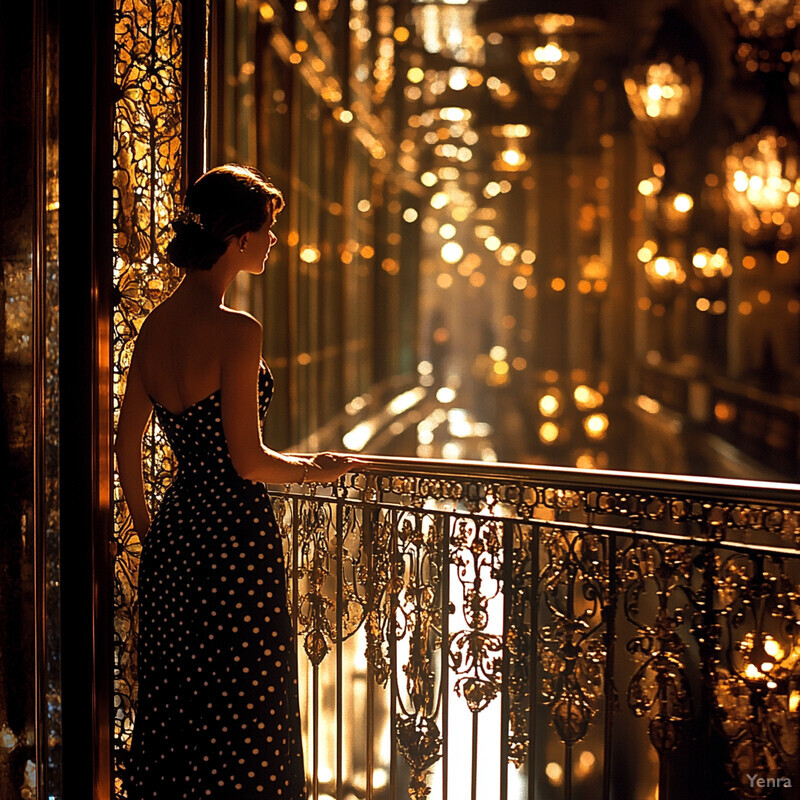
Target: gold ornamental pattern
x,y
146,175
579,603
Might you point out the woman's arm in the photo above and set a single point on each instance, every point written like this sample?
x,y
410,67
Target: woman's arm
x,y
241,423
133,417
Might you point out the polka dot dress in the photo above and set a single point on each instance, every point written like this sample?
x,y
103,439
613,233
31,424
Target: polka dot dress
x,y
218,714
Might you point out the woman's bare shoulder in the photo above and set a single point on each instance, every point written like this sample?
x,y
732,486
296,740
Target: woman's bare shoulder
x,y
224,322
239,325
241,320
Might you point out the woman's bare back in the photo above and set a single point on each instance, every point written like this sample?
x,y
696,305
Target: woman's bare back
x,y
181,349
191,346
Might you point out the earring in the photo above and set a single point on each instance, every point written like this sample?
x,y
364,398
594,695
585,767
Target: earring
x,y
242,249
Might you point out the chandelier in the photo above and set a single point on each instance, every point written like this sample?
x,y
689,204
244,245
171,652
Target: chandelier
x,y
759,18
448,27
549,42
512,157
664,97
549,68
763,184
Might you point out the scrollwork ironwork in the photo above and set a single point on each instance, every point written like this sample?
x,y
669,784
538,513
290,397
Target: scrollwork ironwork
x,y
518,635
659,688
756,681
419,620
572,590
146,181
475,654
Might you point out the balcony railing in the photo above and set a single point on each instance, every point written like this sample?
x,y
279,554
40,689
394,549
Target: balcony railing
x,y
493,631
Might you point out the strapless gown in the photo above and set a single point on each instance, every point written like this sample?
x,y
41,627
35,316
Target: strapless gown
x,y
217,712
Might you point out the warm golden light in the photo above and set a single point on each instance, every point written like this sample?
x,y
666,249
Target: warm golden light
x,y
549,68
664,96
500,367
439,200
549,405
449,29
757,18
648,187
763,184
596,426
646,252
555,773
508,254
444,280
452,252
446,394
586,763
587,398
773,648
548,433
513,157
310,254
458,79
752,671
710,264
492,189
665,269
428,179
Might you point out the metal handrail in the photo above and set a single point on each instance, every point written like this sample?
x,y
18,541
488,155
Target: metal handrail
x,y
546,590
742,491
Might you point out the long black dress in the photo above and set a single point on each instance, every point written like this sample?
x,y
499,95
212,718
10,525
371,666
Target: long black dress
x,y
218,711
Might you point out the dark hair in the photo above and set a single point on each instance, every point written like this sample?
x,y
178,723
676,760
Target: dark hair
x,y
222,204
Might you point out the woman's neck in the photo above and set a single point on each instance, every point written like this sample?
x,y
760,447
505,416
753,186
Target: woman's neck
x,y
207,287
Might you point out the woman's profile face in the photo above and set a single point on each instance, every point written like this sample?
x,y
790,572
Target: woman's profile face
x,y
259,243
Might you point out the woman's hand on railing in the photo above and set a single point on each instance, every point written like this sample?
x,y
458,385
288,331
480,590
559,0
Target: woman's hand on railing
x,y
329,467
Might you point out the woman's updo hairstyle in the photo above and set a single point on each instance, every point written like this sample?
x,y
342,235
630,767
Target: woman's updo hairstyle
x,y
223,204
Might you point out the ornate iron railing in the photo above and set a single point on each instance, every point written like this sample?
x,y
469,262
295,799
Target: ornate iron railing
x,y
487,631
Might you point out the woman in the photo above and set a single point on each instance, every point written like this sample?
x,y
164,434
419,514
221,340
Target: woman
x,y
218,714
